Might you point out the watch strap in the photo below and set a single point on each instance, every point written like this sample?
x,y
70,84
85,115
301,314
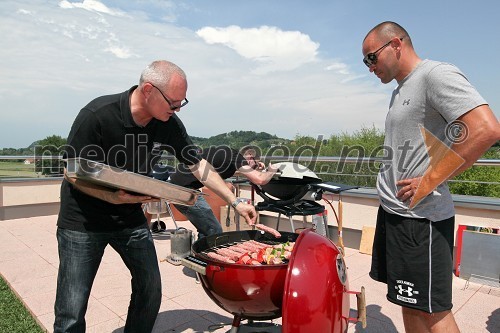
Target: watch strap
x,y
236,202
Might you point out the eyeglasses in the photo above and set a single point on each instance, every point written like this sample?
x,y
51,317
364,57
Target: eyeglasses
x,y
173,108
371,58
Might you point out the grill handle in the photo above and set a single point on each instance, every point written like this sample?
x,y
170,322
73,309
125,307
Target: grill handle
x,y
199,265
361,305
195,264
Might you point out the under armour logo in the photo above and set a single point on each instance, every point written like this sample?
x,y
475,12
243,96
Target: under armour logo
x,y
408,291
406,102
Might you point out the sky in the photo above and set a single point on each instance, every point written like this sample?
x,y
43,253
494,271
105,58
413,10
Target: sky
x,y
286,67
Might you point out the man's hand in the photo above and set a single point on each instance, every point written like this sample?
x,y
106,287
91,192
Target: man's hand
x,y
248,212
123,197
408,188
105,193
259,165
272,169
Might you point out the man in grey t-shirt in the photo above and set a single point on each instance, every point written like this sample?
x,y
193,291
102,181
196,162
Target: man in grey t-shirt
x,y
413,244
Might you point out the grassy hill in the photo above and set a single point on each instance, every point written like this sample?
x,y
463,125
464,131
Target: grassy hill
x,y
234,139
238,139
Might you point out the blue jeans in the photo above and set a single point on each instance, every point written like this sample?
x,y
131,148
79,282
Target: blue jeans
x,y
202,217
80,254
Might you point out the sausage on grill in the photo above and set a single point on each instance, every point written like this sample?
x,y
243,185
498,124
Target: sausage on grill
x,y
219,257
238,249
270,230
258,244
229,254
247,246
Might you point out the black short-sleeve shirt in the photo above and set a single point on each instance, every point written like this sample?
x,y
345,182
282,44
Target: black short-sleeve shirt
x,y
225,160
104,131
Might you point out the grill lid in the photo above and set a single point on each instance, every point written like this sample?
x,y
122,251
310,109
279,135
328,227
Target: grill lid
x,y
315,282
295,171
291,182
295,182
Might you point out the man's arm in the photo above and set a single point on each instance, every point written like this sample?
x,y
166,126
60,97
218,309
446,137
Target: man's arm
x,y
207,175
256,176
481,130
105,193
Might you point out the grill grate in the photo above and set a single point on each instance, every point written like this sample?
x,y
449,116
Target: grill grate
x,y
210,244
204,254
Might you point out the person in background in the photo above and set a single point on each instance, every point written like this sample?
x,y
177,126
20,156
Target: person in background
x,y
126,130
413,246
226,161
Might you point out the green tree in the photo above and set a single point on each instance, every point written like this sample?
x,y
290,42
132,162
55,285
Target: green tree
x,y
359,145
239,139
479,180
47,152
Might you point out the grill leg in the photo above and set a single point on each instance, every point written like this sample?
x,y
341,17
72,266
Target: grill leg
x,y
278,222
236,325
171,215
290,218
325,221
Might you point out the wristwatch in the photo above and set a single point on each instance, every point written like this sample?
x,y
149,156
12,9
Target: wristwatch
x,y
236,202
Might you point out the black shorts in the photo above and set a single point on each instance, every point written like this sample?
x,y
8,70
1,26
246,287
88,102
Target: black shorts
x,y
414,257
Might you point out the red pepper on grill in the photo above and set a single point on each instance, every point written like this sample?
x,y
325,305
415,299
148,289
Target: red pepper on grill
x,y
260,255
246,259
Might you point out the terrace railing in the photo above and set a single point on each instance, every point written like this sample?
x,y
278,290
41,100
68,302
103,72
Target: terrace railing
x,y
361,171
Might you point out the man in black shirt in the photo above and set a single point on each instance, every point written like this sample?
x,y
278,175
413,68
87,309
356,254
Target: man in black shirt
x,y
226,161
129,131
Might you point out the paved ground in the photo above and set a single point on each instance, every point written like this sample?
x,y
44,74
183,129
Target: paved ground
x,y
28,261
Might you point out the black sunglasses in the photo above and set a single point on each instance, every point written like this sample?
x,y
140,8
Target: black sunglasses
x,y
371,58
173,108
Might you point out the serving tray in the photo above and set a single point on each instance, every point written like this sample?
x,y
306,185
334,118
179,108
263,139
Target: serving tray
x,y
105,175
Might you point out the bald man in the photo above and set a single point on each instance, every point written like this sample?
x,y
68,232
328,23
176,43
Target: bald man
x,y
413,247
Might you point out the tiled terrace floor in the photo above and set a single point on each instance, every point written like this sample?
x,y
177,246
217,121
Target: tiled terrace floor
x,y
29,261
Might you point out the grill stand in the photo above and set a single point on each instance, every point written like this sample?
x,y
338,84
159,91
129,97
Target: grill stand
x,y
303,208
253,327
169,210
163,206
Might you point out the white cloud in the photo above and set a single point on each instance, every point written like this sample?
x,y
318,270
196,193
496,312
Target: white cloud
x,y
339,68
55,61
91,5
122,53
272,48
24,12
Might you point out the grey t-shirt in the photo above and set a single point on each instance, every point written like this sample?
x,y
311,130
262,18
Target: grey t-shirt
x,y
432,96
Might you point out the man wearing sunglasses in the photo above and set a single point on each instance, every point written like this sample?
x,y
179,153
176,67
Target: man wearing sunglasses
x,y
226,161
127,131
413,246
